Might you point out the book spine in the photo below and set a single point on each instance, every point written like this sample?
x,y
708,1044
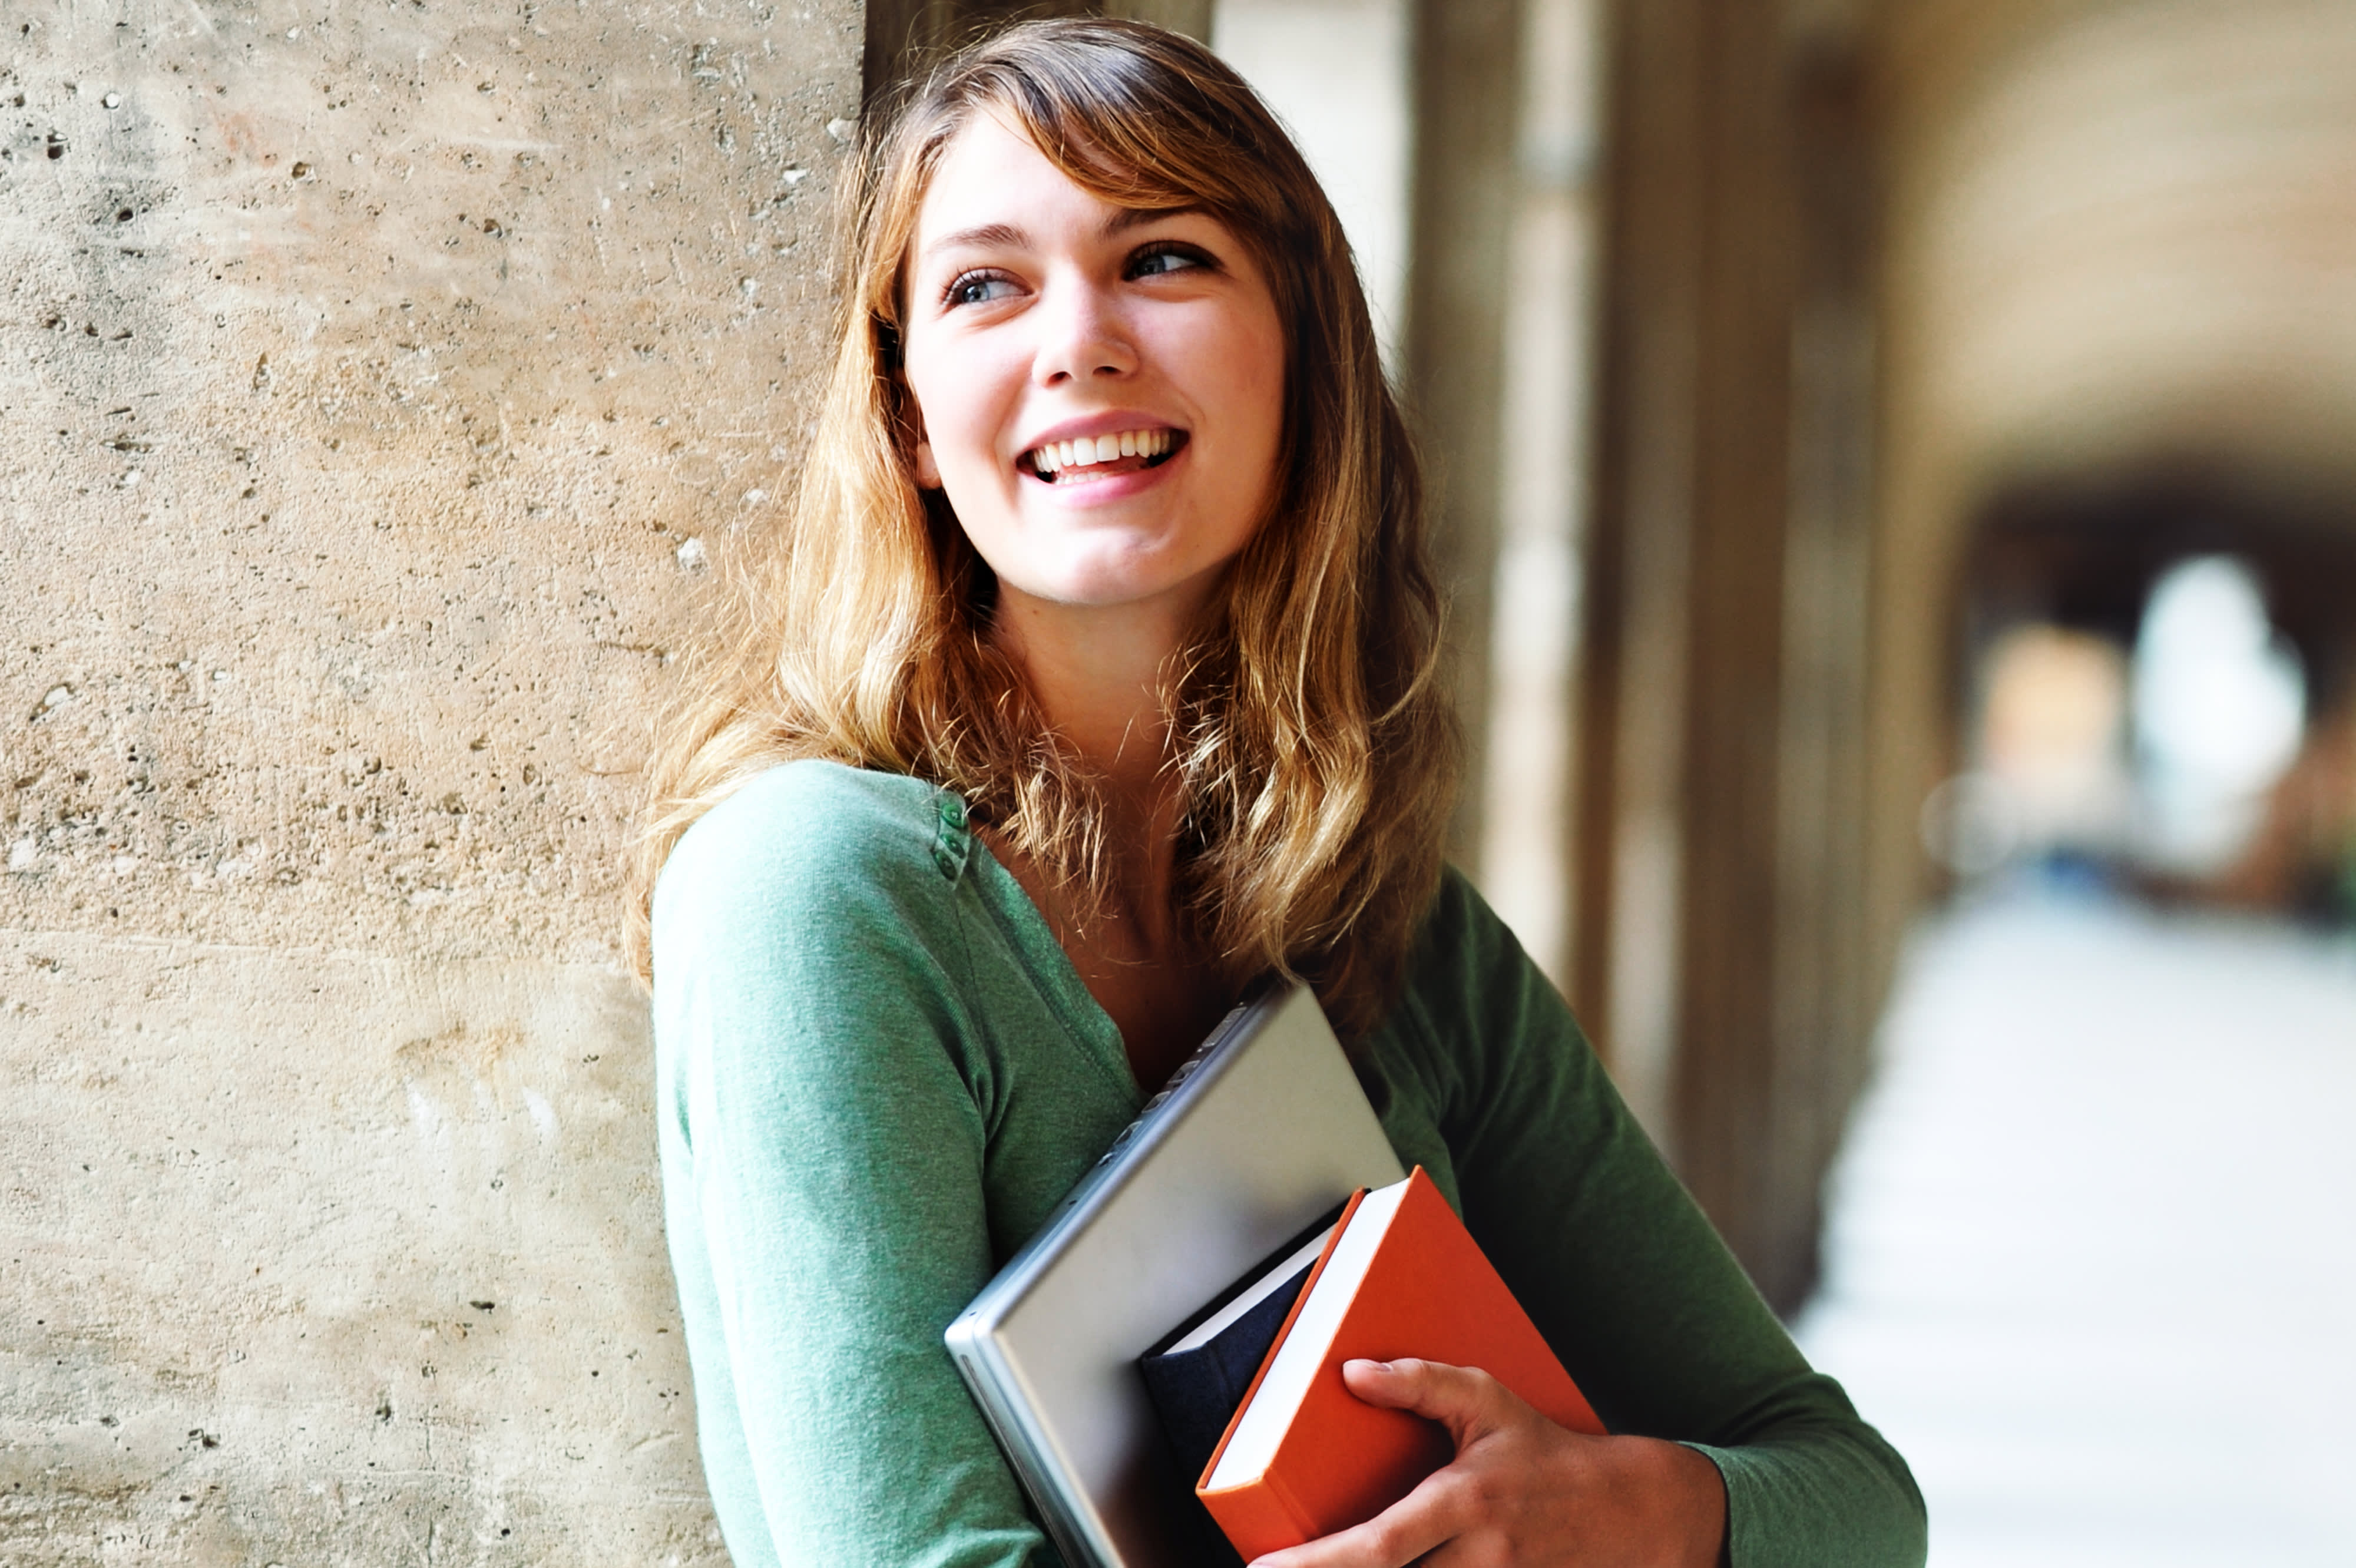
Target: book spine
x,y
1261,1517
1303,1524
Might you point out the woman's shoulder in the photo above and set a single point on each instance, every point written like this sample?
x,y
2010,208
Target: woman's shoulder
x,y
1462,942
1470,993
819,833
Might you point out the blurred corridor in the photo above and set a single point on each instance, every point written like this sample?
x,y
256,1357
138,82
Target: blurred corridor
x,y
2087,1262
1887,449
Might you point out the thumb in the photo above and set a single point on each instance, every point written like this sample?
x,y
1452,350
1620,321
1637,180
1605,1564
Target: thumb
x,y
1466,1401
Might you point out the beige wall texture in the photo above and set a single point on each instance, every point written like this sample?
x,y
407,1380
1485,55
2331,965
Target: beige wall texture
x,y
378,379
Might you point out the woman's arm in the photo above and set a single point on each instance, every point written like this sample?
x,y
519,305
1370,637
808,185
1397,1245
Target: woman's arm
x,y
1616,1264
823,1174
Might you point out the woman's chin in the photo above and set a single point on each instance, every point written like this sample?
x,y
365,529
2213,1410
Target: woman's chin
x,y
1113,587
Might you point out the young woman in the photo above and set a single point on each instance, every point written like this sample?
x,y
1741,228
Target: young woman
x,y
1092,678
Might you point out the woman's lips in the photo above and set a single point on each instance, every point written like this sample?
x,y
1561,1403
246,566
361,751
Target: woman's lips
x,y
1087,457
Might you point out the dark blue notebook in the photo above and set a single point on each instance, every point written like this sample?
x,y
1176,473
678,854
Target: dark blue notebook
x,y
1199,1372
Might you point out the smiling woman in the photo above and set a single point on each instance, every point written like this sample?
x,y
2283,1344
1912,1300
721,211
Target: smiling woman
x,y
1089,680
1099,390
1192,709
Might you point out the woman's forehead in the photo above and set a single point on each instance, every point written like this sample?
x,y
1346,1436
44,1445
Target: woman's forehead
x,y
992,173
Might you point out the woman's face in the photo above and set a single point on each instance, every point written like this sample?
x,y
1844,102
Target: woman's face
x,y
1100,390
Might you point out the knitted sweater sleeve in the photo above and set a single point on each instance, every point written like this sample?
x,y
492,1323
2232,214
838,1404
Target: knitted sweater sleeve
x,y
1617,1265
822,1167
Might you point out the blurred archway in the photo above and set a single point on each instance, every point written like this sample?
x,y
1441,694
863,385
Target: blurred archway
x,y
2119,314
2225,770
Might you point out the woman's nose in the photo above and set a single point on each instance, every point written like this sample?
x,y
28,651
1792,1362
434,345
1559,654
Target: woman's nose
x,y
1083,337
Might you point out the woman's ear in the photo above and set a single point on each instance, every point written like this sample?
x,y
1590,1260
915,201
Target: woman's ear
x,y
887,339
928,472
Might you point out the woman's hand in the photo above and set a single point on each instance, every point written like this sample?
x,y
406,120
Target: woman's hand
x,y
1523,1491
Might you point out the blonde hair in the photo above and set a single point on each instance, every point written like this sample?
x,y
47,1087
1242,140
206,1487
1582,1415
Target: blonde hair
x,y
1312,744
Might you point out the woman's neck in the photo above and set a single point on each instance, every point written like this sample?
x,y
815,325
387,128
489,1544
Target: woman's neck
x,y
1099,676
1101,679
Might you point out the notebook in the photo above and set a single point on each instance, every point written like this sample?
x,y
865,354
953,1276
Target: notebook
x,y
1198,1374
1260,1133
1304,1456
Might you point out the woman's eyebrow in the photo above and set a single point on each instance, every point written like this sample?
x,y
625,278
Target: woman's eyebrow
x,y
1129,217
1006,236
986,236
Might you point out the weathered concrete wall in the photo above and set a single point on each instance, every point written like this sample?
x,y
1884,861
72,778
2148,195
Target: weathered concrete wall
x,y
372,377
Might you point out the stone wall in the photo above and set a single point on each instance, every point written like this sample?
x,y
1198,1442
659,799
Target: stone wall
x,y
377,381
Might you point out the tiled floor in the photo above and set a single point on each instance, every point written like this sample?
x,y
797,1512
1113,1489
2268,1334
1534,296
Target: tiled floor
x,y
2092,1262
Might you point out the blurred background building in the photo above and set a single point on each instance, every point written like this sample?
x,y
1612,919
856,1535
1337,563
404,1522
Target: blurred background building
x,y
1935,515
1894,472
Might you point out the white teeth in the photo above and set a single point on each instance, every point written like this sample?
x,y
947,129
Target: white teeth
x,y
1055,455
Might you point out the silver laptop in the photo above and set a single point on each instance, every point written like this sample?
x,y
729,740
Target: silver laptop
x,y
1263,1130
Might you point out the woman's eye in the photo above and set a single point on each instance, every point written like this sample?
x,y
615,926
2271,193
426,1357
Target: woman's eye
x,y
1164,259
977,288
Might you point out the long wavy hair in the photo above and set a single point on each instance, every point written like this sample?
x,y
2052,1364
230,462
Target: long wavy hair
x,y
1314,748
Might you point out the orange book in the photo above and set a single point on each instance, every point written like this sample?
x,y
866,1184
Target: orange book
x,y
1401,1276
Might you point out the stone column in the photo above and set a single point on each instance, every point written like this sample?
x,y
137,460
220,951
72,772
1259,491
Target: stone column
x,y
1720,728
1467,64
376,385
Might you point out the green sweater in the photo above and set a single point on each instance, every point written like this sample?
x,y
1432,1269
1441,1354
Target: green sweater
x,y
878,1072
